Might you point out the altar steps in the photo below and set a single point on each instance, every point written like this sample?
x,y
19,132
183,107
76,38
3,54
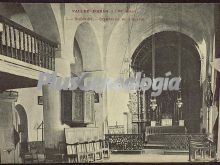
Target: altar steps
x,y
157,148
156,145
176,152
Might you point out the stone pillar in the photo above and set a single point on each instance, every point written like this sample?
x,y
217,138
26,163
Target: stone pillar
x,y
144,110
8,151
128,122
125,122
53,127
210,120
105,114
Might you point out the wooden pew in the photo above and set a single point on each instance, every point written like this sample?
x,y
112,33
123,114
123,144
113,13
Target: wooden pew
x,y
56,154
98,150
204,148
90,151
82,153
72,153
105,148
85,145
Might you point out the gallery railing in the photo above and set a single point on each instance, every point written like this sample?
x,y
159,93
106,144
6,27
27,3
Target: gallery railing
x,y
25,45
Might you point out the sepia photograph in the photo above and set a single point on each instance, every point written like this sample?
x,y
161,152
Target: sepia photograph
x,y
109,82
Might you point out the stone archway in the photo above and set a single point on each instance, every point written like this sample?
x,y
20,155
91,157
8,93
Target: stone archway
x,y
88,59
167,47
30,16
77,67
23,128
124,34
47,26
89,47
23,122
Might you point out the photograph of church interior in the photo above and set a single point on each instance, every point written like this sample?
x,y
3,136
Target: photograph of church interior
x,y
111,41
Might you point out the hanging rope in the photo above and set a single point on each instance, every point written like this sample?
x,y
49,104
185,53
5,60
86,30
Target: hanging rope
x,y
153,103
153,43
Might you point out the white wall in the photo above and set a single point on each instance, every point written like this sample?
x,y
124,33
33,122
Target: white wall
x,y
28,98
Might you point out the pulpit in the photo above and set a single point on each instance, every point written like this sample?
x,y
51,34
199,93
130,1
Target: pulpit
x,y
77,107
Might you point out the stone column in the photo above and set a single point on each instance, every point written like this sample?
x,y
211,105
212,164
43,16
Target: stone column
x,y
210,120
53,127
144,111
8,152
128,122
125,122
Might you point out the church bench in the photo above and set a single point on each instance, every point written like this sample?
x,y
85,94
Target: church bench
x,y
76,153
105,148
85,152
90,151
85,145
204,148
72,153
56,154
35,150
98,150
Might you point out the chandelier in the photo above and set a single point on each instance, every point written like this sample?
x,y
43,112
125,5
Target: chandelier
x,y
179,102
153,101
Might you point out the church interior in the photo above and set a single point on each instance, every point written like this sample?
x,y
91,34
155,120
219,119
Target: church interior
x,y
116,41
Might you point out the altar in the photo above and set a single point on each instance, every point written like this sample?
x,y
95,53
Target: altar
x,y
167,113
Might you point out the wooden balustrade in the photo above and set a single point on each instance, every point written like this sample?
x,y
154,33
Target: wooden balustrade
x,y
25,45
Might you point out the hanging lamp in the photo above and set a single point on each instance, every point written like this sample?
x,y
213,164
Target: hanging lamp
x,y
153,101
179,102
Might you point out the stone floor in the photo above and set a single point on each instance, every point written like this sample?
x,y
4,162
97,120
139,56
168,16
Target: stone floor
x,y
146,158
149,156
